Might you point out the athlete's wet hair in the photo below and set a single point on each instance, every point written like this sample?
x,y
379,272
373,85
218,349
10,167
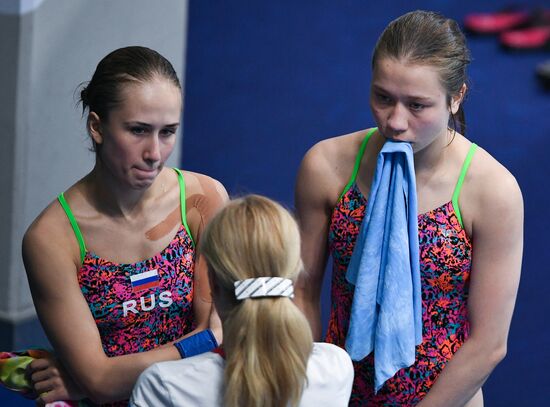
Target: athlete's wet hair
x,y
119,68
428,38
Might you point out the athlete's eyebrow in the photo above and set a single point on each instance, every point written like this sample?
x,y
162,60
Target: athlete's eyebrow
x,y
380,89
138,123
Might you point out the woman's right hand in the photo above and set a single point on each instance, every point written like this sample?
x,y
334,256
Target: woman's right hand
x,y
51,382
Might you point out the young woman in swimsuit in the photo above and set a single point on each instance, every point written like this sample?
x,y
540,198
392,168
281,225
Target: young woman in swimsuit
x,y
112,262
470,219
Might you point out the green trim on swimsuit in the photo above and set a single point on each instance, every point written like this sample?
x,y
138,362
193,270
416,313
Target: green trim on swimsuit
x,y
358,161
78,233
460,181
76,229
181,182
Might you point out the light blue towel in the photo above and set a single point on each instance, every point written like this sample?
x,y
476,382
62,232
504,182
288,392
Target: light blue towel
x,y
386,313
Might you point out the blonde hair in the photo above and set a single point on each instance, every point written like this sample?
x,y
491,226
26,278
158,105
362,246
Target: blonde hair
x,y
267,341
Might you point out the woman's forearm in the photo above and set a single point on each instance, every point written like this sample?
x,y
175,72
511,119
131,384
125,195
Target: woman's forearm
x,y
464,374
113,379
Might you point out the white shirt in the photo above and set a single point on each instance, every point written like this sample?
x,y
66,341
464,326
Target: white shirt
x,y
198,381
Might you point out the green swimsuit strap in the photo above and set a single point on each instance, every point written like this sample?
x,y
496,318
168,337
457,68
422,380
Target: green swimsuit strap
x,y
181,182
460,181
74,224
358,158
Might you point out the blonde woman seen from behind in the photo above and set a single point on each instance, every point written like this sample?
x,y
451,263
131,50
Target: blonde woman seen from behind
x,y
252,248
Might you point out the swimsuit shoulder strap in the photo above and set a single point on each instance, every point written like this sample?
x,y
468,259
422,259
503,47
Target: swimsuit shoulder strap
x,y
181,181
458,187
358,158
74,225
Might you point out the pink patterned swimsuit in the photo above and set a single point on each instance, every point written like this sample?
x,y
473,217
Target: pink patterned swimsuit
x,y
445,263
140,306
134,320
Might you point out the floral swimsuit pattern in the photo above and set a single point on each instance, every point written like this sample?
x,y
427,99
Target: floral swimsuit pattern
x,y
140,306
445,263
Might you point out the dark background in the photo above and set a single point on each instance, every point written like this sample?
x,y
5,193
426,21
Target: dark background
x,y
266,80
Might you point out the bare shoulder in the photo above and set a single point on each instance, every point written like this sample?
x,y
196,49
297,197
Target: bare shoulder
x,y
491,190
205,196
329,164
492,179
197,183
50,236
334,152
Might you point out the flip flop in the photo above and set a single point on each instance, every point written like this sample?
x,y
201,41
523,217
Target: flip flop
x,y
497,22
529,39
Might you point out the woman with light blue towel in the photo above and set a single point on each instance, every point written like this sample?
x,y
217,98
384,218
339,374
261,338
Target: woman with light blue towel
x,y
425,230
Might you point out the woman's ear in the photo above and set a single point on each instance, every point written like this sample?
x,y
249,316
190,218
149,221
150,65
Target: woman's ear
x,y
457,99
94,128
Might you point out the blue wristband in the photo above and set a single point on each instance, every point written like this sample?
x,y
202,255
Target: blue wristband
x,y
201,342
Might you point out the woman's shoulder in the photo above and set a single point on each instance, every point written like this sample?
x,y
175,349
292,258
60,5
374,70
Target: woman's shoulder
x,y
330,376
331,361
51,231
205,185
48,223
330,163
490,189
329,353
488,178
204,197
489,168
335,150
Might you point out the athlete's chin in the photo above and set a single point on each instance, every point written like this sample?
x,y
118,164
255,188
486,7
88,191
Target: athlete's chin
x,y
141,184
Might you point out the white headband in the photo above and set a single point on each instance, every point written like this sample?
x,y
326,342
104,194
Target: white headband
x,y
264,287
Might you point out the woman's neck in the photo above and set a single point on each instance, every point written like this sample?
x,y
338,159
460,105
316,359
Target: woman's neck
x,y
429,159
114,199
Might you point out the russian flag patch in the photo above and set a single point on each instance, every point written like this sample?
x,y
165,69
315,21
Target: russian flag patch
x,y
145,280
